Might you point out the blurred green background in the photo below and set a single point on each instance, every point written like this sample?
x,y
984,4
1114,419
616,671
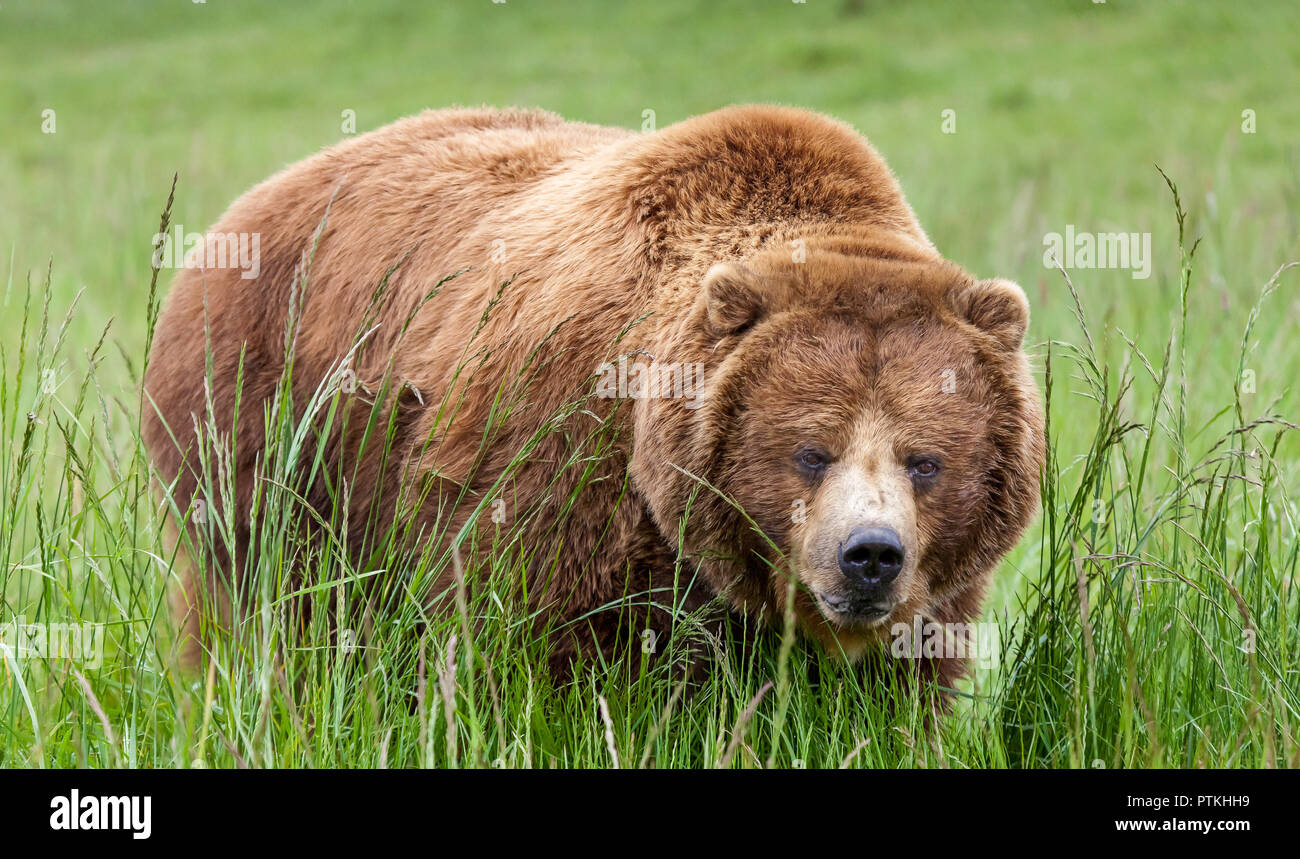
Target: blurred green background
x,y
1062,111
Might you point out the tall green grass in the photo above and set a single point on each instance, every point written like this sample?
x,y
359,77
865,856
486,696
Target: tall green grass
x,y
1159,627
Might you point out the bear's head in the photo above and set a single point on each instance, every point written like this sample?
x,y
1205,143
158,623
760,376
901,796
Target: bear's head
x,y
869,428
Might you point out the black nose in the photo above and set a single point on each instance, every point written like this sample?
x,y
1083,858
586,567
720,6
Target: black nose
x,y
872,556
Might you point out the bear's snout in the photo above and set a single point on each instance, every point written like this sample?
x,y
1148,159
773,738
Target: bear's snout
x,y
858,553
871,558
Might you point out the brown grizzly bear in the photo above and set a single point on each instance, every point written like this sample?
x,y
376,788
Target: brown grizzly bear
x,y
788,378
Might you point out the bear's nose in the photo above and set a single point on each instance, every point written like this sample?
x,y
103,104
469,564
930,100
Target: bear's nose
x,y
872,556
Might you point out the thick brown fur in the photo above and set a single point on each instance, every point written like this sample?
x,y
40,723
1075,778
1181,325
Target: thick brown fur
x,y
837,320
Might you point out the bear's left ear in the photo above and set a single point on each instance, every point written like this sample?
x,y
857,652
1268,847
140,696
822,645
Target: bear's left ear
x,y
996,306
734,297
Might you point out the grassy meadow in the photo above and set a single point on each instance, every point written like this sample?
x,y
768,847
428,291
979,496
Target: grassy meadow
x,y
1149,618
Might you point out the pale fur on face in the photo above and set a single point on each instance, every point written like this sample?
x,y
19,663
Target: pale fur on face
x,y
867,485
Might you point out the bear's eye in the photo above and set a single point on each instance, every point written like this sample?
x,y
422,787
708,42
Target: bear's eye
x,y
812,460
923,467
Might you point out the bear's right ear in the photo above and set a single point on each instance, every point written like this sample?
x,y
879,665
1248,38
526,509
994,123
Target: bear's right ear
x,y
998,307
733,297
